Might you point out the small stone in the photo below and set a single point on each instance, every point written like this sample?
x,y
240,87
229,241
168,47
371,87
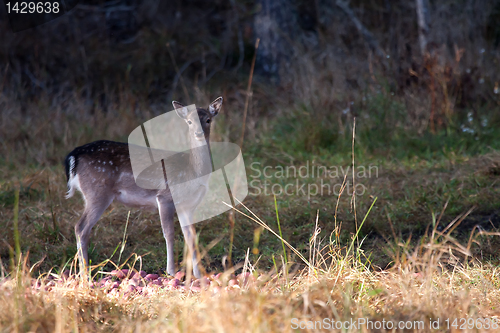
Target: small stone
x,y
205,282
151,277
175,283
215,282
136,281
245,275
65,275
195,289
118,273
246,278
179,275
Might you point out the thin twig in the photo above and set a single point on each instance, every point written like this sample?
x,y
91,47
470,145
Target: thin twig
x,y
257,220
353,200
249,93
367,35
232,217
241,45
124,239
178,74
178,71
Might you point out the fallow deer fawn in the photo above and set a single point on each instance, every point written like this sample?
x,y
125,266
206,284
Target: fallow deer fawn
x,y
102,172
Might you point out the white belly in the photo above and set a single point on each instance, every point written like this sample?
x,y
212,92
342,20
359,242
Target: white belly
x,y
137,199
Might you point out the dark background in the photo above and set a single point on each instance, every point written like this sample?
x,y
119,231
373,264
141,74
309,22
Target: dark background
x,y
344,49
425,97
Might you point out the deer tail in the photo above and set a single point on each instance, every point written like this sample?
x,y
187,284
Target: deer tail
x,y
70,166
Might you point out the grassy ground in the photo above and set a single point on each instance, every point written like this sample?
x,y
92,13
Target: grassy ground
x,y
430,288
422,182
410,191
426,155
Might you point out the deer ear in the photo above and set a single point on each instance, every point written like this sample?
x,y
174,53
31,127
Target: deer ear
x,y
177,105
180,109
215,106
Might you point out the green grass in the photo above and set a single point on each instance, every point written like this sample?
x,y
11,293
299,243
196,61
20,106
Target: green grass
x,y
383,133
417,174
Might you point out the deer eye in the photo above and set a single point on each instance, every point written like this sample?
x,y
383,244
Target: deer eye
x,y
190,122
208,121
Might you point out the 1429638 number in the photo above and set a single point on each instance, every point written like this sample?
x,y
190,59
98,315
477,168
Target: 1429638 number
x,y
33,7
471,323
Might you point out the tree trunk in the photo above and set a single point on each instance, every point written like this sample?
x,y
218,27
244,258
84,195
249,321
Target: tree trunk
x,y
423,24
275,25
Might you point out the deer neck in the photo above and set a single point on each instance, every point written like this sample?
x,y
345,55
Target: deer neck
x,y
200,156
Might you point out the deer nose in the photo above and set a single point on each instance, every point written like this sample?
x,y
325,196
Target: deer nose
x,y
198,134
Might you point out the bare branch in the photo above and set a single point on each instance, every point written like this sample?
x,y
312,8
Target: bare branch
x,y
367,35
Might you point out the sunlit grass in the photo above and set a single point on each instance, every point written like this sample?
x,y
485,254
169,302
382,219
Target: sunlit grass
x,y
435,280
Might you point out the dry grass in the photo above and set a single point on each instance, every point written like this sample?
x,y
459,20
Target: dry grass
x,y
431,281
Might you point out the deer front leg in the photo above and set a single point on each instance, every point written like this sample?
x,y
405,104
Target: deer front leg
x,y
190,239
166,208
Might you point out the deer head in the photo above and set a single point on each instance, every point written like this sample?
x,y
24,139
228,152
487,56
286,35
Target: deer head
x,y
198,120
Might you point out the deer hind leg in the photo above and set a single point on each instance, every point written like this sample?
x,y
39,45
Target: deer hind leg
x,y
167,209
190,238
93,211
